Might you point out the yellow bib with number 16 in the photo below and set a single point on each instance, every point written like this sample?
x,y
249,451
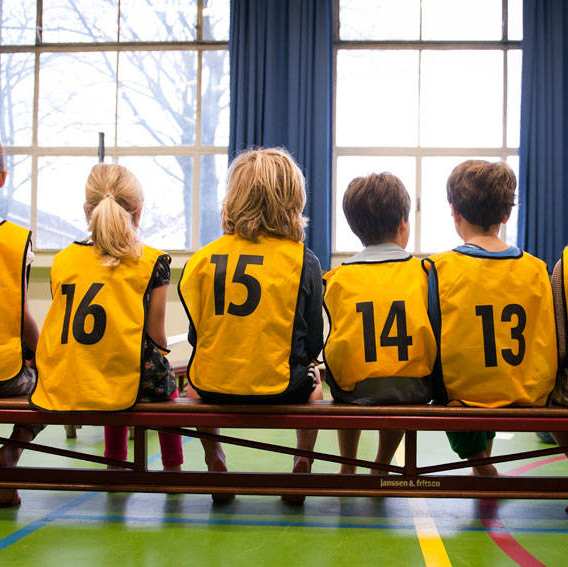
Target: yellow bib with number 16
x,y
89,353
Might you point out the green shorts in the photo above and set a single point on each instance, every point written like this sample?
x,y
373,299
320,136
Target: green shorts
x,y
469,443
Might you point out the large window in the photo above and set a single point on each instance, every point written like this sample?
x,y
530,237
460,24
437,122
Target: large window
x,y
422,85
152,75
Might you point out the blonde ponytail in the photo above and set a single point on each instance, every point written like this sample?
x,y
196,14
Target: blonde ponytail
x,y
113,202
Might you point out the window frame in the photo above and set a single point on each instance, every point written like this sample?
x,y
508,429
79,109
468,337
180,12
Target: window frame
x,y
114,152
418,152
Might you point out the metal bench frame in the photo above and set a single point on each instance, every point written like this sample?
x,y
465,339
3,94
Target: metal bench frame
x,y
183,416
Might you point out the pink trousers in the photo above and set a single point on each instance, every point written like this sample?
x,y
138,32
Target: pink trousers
x,y
116,444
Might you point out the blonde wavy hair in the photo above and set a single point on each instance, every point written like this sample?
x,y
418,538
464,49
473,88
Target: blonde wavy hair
x,y
113,203
265,196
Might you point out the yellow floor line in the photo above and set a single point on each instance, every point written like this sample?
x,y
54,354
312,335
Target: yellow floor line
x,y
431,544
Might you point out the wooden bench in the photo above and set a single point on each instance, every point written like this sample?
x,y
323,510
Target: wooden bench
x,y
183,415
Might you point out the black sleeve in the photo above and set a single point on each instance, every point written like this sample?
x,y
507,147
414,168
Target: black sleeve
x,y
312,290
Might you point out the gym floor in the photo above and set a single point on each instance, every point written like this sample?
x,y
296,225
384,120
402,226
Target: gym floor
x,y
71,528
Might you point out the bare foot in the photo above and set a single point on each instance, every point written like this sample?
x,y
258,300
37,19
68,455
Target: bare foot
x,y
348,469
177,468
9,498
301,465
216,463
485,470
378,472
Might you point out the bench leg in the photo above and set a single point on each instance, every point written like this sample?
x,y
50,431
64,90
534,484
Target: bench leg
x,y
71,431
140,449
410,453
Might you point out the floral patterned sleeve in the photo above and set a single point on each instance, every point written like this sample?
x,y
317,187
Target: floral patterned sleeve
x,y
163,273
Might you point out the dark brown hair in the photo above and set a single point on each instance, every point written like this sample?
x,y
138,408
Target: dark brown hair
x,y
375,206
482,192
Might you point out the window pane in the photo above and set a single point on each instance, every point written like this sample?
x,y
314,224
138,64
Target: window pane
x,y
215,98
211,195
61,195
77,98
216,17
515,19
461,98
15,196
156,103
79,21
17,22
158,20
461,19
514,68
437,226
167,185
379,19
377,98
511,228
349,167
16,98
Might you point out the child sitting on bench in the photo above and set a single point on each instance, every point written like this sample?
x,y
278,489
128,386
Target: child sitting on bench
x,y
381,348
254,299
103,343
491,308
18,332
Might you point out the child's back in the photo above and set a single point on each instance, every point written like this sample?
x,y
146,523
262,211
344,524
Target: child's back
x,y
14,245
242,298
497,336
381,348
89,354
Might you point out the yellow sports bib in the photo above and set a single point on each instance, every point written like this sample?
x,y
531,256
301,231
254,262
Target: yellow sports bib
x,y
498,335
241,299
14,243
89,354
379,324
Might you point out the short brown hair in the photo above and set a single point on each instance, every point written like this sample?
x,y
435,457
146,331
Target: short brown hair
x,y
482,192
375,206
265,195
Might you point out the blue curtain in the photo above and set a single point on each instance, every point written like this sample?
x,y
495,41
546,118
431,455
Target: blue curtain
x,y
543,176
281,94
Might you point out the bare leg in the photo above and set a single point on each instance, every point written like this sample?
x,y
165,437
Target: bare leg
x,y
306,439
389,440
9,457
561,438
348,444
214,454
485,470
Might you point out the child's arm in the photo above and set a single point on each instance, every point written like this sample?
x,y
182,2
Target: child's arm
x,y
314,307
156,320
559,311
30,331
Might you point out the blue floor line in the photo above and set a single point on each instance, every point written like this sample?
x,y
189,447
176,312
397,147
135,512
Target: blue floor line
x,y
58,513
36,525
120,518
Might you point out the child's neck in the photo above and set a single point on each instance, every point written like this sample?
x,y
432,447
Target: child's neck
x,y
488,241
